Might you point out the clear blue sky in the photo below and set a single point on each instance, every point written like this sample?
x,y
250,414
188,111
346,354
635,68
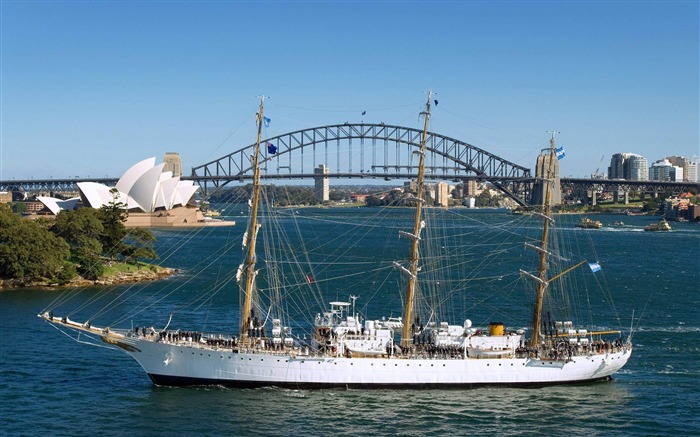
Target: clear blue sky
x,y
91,87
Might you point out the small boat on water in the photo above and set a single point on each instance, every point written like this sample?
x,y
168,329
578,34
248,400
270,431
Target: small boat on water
x,y
619,223
660,226
587,223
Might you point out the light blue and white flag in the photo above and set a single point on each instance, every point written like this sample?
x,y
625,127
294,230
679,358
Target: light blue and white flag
x,y
595,267
560,153
266,121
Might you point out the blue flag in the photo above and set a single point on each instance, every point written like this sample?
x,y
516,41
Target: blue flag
x,y
271,148
266,121
595,267
560,153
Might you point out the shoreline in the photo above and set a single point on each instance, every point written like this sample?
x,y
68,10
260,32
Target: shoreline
x,y
129,277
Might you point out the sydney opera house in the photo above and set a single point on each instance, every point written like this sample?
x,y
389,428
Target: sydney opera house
x,y
152,197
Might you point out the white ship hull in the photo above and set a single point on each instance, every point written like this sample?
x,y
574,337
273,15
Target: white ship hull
x,y
174,364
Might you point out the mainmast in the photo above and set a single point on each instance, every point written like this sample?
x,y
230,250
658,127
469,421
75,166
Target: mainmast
x,y
541,278
418,224
248,267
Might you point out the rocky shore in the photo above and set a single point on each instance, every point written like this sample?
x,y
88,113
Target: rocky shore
x,y
145,274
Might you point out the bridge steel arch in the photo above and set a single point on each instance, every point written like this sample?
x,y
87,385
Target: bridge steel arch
x,y
366,150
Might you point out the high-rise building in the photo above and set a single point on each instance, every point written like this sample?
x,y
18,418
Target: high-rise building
x,y
692,174
636,168
173,163
442,194
322,186
629,166
689,174
617,161
664,170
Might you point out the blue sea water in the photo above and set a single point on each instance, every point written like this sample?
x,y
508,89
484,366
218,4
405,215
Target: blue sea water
x,y
50,384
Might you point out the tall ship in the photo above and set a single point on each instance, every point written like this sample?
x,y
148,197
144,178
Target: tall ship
x,y
341,347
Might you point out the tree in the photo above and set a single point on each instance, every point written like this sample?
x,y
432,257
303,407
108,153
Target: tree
x,y
112,216
29,252
137,244
81,229
18,207
90,266
337,196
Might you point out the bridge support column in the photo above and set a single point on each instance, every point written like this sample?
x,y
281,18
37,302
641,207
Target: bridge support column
x,y
616,197
627,198
594,198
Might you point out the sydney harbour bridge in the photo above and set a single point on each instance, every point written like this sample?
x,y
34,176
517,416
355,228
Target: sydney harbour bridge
x,y
369,151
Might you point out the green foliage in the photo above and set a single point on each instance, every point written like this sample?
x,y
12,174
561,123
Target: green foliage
x,y
41,249
337,195
28,251
653,205
90,266
18,207
138,244
485,199
112,217
81,229
69,272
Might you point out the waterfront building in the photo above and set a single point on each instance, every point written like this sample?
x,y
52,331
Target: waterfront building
x,y
358,198
442,194
144,187
173,164
322,187
471,188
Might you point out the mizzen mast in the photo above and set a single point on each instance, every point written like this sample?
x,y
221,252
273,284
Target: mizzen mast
x,y
418,224
541,278
249,239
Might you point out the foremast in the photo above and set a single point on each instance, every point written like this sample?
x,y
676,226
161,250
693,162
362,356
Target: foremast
x,y
541,279
418,224
249,239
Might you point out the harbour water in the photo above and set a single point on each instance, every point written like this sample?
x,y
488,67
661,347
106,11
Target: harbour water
x,y
52,385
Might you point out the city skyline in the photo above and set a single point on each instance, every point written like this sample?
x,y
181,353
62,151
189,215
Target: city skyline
x,y
88,88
